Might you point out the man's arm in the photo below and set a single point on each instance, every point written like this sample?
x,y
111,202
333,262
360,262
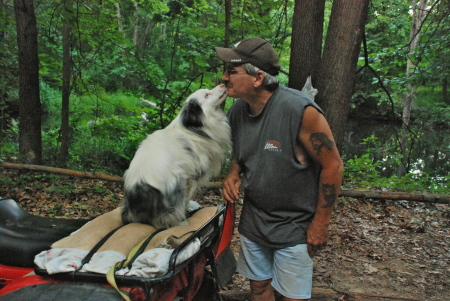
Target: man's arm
x,y
232,182
316,137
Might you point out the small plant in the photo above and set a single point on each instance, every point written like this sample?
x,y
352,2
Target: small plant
x,y
9,146
362,171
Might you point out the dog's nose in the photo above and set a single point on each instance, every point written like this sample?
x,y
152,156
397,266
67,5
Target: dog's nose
x,y
222,85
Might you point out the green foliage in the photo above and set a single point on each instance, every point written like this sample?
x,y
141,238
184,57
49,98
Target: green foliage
x,y
363,172
106,130
9,148
108,145
162,51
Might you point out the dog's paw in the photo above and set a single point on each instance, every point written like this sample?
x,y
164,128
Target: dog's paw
x,y
184,223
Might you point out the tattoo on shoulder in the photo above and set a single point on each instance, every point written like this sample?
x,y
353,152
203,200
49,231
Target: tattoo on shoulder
x,y
329,193
320,141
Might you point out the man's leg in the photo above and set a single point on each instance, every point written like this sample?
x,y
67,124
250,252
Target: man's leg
x,y
289,299
255,263
261,290
292,273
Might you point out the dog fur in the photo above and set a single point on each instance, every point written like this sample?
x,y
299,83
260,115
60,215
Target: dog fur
x,y
172,163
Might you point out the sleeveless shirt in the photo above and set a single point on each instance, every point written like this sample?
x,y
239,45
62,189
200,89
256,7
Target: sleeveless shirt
x,y
280,193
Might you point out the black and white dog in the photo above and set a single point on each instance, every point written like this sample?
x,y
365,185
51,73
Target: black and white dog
x,y
172,163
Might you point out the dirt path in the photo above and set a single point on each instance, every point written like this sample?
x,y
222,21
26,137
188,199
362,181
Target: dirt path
x,y
378,251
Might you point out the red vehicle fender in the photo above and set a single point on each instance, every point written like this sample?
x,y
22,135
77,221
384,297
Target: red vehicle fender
x,y
24,281
8,274
227,231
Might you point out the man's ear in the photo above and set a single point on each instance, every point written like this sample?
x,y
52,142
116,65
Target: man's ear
x,y
259,78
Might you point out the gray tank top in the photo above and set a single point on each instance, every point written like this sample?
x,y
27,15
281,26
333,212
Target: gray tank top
x,y
280,194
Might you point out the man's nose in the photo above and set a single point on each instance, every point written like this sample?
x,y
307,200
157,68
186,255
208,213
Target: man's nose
x,y
225,76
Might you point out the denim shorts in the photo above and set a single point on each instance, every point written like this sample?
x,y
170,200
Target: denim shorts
x,y
290,269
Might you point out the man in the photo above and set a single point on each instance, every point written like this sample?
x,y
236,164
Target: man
x,y
291,173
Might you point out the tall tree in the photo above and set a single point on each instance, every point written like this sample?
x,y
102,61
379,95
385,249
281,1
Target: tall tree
x,y
418,16
66,77
332,72
306,42
445,97
136,24
30,140
227,23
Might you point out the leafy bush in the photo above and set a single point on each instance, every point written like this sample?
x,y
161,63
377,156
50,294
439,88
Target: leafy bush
x,y
106,129
109,144
9,147
364,172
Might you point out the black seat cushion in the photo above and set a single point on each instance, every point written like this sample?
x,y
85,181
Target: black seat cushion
x,y
23,235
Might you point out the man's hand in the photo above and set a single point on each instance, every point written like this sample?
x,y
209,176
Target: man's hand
x,y
231,186
232,182
317,237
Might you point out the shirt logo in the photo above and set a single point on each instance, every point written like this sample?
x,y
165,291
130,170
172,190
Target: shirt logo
x,y
273,146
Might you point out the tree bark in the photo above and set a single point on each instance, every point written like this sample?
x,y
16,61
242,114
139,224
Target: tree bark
x,y
30,140
119,19
306,44
67,75
226,42
136,24
417,21
227,22
338,65
389,195
445,98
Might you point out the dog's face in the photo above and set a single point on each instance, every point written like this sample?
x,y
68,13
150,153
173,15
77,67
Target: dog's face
x,y
202,103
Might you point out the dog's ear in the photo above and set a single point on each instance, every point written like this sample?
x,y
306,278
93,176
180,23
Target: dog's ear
x,y
192,114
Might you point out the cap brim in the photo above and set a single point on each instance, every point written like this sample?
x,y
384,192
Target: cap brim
x,y
228,55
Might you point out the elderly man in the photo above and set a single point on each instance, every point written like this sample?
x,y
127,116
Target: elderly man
x,y
285,155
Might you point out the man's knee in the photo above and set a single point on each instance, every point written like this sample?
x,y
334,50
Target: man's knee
x,y
259,288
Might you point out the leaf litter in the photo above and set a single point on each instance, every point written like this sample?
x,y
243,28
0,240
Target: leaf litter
x,y
377,250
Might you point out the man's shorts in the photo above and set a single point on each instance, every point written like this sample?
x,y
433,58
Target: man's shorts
x,y
290,269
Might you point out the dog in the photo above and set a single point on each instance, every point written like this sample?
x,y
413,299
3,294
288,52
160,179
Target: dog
x,y
170,164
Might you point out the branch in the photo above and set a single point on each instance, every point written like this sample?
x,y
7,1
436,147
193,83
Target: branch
x,y
215,186
62,171
389,195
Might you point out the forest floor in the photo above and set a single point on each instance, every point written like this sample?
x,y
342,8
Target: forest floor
x,y
377,250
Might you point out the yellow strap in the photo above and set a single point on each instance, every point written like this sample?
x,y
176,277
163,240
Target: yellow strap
x,y
111,276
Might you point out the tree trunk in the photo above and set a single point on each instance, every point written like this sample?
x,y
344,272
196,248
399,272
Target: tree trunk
x,y
445,98
146,39
5,20
67,75
306,44
338,65
30,140
227,22
417,20
119,19
226,42
136,25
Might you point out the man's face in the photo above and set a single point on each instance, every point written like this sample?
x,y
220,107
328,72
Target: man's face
x,y
238,82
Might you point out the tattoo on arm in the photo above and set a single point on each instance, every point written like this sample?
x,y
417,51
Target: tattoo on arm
x,y
329,193
319,141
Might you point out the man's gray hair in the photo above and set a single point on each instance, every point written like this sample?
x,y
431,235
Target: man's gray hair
x,y
270,82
